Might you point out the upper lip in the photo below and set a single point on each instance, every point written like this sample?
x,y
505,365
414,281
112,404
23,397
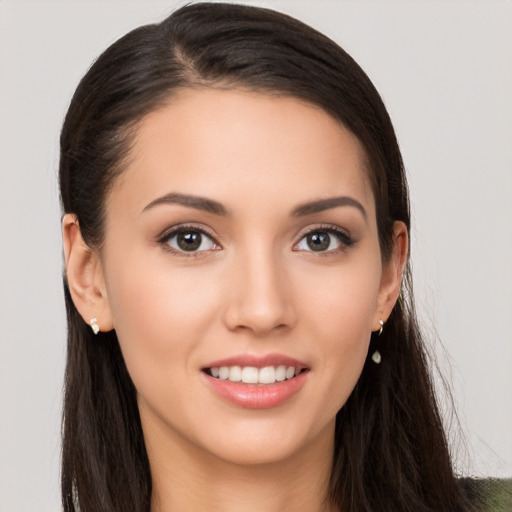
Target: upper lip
x,y
258,361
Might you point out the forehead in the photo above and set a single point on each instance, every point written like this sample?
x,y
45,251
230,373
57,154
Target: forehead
x,y
236,145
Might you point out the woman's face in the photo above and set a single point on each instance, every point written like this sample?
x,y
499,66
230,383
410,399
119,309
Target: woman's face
x,y
241,242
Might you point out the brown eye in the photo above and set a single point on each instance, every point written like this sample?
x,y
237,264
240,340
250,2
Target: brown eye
x,y
319,241
190,240
324,240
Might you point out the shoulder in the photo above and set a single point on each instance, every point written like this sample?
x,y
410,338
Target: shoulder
x,y
488,494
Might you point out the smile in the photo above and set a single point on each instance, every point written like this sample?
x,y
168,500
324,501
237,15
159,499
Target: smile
x,y
254,375
256,382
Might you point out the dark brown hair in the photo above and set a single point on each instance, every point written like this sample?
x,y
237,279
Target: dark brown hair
x,y
391,452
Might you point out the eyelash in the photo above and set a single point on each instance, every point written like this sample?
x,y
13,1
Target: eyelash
x,y
164,239
346,241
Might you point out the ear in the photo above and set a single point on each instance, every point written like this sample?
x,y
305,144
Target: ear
x,y
84,275
392,271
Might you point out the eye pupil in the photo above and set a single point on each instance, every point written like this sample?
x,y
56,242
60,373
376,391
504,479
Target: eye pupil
x,y
318,241
189,240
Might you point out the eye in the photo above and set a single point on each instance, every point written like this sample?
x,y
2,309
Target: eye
x,y
189,240
323,240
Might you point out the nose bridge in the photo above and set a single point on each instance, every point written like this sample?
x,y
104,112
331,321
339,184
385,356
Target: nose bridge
x,y
260,299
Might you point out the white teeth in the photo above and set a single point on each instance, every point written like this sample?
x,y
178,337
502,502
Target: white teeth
x,y
267,375
280,373
235,374
290,372
250,375
253,375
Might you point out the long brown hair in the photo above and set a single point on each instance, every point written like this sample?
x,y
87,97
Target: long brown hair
x,y
391,452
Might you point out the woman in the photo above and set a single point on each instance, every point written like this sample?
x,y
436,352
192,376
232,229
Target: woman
x,y
241,324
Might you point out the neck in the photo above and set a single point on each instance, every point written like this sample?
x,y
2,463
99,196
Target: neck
x,y
185,478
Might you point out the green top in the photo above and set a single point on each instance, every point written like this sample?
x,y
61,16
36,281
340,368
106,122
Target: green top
x,y
489,494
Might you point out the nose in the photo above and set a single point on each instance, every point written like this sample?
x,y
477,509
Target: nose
x,y
260,298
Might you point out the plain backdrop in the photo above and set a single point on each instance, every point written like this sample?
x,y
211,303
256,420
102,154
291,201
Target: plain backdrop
x,y
444,69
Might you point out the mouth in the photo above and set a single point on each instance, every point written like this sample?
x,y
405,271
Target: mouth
x,y
256,382
266,375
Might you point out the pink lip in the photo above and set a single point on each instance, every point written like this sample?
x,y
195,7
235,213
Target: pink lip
x,y
257,361
257,396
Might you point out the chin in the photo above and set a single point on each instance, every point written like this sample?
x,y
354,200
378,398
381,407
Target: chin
x,y
264,443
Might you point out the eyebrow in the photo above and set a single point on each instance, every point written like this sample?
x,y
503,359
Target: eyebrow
x,y
326,204
199,203
211,206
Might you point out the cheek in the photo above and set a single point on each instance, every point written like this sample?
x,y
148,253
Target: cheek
x,y
159,314
339,310
343,300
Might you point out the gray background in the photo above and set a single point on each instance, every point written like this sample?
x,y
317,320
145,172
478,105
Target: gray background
x,y
444,69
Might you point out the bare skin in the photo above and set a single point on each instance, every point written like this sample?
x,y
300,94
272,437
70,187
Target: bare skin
x,y
287,262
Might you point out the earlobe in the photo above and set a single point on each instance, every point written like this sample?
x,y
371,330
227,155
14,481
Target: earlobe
x,y
392,274
84,274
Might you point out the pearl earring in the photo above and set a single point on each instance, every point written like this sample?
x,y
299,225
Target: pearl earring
x,y
94,325
376,357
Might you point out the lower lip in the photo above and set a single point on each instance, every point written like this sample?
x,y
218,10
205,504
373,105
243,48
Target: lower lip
x,y
256,396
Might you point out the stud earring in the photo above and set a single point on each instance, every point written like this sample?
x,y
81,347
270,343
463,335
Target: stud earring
x,y
381,322
94,325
